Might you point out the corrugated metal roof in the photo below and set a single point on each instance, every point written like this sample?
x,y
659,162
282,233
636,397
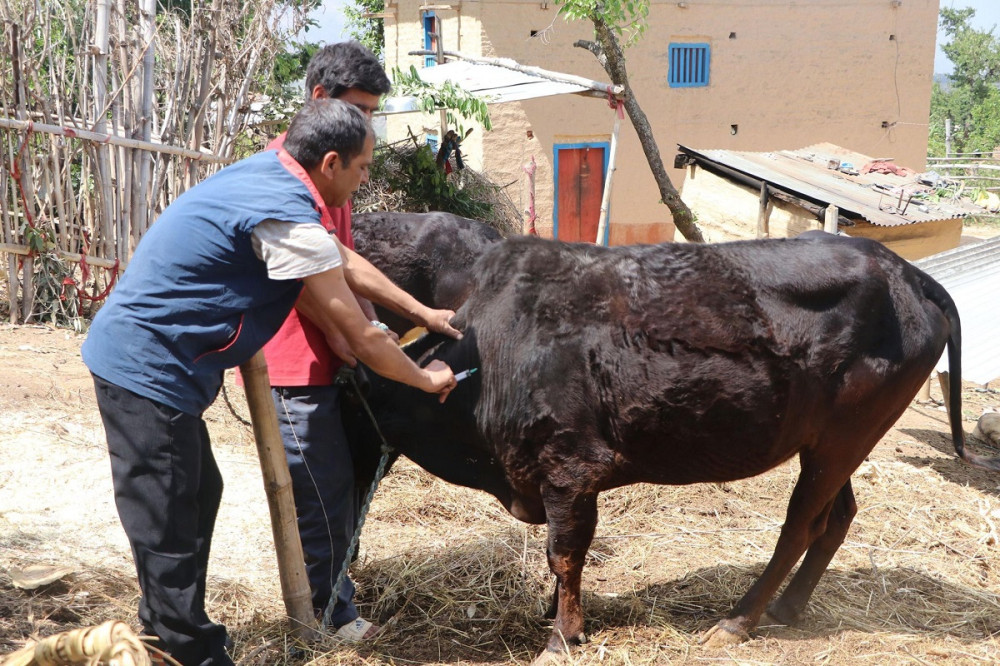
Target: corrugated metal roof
x,y
494,83
879,198
971,274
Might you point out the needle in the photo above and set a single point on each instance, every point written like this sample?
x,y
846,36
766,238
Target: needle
x,y
465,373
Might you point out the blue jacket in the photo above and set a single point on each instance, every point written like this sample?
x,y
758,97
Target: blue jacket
x,y
195,299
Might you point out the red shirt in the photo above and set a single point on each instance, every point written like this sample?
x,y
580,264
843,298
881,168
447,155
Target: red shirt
x,y
298,354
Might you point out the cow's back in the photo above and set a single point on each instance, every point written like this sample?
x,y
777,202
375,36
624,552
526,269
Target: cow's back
x,y
677,345
429,255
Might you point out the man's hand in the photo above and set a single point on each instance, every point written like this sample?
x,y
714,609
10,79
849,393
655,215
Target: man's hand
x,y
442,379
338,344
439,321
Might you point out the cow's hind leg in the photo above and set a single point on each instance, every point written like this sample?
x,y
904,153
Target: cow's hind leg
x,y
787,608
812,500
572,517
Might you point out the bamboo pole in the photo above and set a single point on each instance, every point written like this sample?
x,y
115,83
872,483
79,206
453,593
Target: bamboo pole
x,y
278,488
25,184
140,220
969,165
102,20
590,84
602,225
103,138
75,257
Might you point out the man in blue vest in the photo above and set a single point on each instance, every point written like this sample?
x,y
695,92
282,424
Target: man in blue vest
x,y
208,285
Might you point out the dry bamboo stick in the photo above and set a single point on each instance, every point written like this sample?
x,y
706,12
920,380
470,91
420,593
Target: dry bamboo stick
x,y
64,229
147,14
201,103
102,22
20,103
9,235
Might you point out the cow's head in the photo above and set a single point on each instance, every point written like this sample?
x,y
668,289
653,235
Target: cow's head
x,y
442,438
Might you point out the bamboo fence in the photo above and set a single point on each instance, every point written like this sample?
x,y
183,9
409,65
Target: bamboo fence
x,y
979,170
110,109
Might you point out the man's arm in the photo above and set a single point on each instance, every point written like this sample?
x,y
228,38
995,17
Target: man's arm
x,y
332,307
364,279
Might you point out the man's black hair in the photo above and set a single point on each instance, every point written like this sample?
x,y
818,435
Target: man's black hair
x,y
338,67
325,125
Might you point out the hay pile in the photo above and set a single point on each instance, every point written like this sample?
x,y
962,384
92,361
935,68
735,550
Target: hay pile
x,y
454,579
404,177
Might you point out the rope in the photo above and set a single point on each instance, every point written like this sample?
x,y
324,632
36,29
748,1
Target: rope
x,y
16,174
70,281
532,215
346,377
616,104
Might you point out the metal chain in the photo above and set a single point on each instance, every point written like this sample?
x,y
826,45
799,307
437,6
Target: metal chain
x,y
347,374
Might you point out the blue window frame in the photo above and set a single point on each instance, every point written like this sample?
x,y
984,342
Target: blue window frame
x,y
689,65
430,38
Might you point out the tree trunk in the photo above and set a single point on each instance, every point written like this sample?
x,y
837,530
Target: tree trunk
x,y
611,57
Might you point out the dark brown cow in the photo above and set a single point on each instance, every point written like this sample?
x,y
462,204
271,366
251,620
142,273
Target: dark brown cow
x,y
677,364
429,254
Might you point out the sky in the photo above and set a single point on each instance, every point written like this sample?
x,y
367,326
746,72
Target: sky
x,y
987,17
331,23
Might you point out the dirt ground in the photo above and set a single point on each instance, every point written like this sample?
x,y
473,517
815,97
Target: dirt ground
x,y
457,580
460,581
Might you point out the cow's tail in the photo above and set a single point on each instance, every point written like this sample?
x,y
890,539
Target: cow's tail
x,y
940,297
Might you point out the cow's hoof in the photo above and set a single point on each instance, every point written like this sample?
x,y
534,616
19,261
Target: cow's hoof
x,y
551,658
724,634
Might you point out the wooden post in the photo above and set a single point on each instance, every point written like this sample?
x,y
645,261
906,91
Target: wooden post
x,y
830,219
278,488
764,213
943,380
924,394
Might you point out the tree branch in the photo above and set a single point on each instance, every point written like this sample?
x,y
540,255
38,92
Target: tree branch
x,y
594,48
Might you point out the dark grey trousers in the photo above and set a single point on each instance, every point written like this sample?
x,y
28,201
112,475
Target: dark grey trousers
x,y
167,489
321,465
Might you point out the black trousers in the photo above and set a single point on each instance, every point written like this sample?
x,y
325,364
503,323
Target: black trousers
x,y
167,489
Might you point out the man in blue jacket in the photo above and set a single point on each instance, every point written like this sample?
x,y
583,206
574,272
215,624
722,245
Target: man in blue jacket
x,y
208,285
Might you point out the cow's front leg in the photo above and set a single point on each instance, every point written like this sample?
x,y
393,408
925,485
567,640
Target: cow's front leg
x,y
553,609
572,516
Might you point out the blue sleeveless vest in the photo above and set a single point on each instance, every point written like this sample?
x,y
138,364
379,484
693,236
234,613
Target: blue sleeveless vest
x,y
195,299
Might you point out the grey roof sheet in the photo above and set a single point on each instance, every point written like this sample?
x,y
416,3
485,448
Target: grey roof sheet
x,y
971,274
804,172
